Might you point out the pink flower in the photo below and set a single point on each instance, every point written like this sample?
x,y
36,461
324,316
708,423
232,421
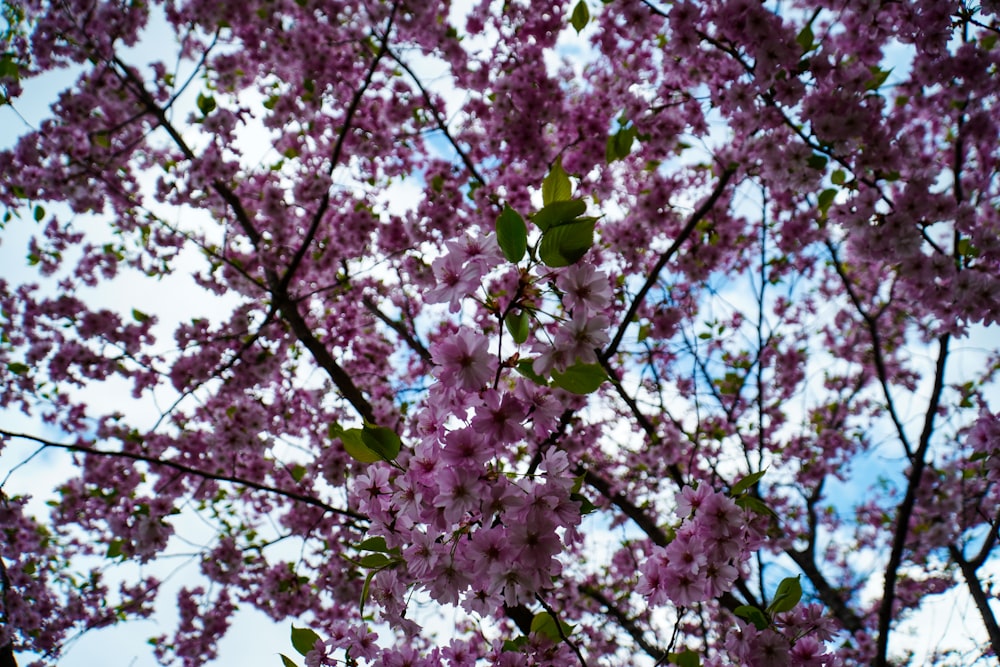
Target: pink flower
x,y
499,418
583,336
461,492
463,361
685,589
584,288
465,446
456,281
686,553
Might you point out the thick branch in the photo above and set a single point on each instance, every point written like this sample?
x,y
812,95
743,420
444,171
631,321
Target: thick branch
x,y
324,358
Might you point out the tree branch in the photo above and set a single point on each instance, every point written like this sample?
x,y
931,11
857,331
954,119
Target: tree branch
x,y
173,465
979,597
627,624
906,508
654,274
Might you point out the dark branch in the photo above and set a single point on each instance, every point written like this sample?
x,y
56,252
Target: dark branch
x,y
653,276
173,465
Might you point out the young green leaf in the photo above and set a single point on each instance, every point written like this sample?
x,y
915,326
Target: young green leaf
x,y
545,624
566,244
355,446
754,615
685,659
286,661
517,324
375,561
381,440
512,234
376,543
525,367
580,378
303,639
17,368
558,213
746,483
619,144
206,104
805,38
787,596
878,78
825,200
556,186
580,17
755,505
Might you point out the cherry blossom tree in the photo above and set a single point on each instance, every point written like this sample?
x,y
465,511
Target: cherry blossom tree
x,y
637,332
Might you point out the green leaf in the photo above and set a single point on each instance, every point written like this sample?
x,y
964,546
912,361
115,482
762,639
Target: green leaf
x,y
514,645
685,659
580,17
817,161
102,140
755,505
517,324
556,186
805,38
39,213
114,549
365,588
826,199
838,177
752,614
559,213
206,104
374,544
355,446
580,378
286,661
746,483
9,67
544,624
139,316
525,368
586,507
374,561
878,78
566,244
966,249
787,596
303,639
18,368
624,139
298,472
512,234
381,440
